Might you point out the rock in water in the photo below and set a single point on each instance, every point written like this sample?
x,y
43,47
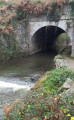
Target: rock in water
x,y
35,77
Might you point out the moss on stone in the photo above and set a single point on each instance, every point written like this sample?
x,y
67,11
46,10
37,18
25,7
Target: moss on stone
x,y
8,47
62,42
71,56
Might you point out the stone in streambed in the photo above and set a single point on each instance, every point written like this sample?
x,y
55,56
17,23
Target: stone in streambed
x,y
35,77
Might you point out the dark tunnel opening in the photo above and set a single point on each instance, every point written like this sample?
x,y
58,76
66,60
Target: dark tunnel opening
x,y
44,39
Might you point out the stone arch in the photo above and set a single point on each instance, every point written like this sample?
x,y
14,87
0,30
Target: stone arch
x,y
39,37
35,26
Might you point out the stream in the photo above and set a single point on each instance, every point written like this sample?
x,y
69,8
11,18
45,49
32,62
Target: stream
x,y
20,74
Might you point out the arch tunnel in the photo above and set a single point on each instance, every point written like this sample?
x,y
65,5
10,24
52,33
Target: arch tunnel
x,y
44,39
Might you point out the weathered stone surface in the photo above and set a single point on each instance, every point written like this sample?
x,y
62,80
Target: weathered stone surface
x,y
24,33
67,50
58,57
70,91
69,84
60,63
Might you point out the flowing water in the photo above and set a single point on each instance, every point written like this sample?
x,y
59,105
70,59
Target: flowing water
x,y
16,75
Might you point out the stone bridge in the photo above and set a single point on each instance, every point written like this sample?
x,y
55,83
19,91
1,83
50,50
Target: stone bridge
x,y
38,29
41,32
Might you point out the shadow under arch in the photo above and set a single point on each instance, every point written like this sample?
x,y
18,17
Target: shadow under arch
x,y
44,39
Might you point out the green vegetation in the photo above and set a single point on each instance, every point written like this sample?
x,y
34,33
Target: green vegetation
x,y
64,36
54,15
39,104
3,4
62,42
21,15
71,56
56,79
10,49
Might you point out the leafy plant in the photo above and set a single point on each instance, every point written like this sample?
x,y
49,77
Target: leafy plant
x,y
3,4
54,14
40,106
57,78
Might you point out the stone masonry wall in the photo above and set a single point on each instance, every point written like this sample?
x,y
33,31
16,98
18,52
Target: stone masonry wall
x,y
23,33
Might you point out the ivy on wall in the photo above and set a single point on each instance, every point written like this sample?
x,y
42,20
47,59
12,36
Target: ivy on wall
x,y
9,47
54,14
